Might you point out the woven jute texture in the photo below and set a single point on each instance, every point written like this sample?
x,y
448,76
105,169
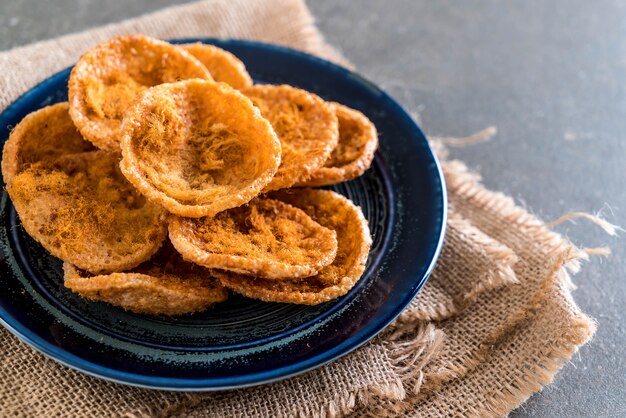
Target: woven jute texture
x,y
494,323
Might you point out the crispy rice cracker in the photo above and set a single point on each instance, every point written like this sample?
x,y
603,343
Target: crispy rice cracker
x,y
164,285
358,141
43,135
266,238
82,210
332,211
222,65
306,126
108,77
198,148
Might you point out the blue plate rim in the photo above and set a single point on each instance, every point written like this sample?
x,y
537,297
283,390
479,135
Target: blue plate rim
x,y
216,384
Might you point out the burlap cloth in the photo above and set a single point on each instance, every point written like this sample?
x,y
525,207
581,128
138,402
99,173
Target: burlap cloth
x,y
492,326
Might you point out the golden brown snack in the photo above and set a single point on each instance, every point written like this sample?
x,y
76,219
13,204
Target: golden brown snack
x,y
305,125
358,141
332,211
222,65
82,210
266,238
164,285
108,77
42,135
198,148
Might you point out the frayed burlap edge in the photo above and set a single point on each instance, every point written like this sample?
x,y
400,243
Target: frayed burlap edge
x,y
409,348
409,356
568,330
465,185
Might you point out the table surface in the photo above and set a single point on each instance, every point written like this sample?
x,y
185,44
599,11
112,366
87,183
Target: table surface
x,y
550,75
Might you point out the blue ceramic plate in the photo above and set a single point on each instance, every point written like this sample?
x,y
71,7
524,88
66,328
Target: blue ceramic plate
x,y
241,342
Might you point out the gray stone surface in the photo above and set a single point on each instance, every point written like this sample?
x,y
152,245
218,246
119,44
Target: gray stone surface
x,y
551,75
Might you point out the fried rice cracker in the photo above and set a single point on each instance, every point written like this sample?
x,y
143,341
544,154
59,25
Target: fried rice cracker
x,y
354,241
164,285
82,210
107,78
223,65
353,155
198,148
42,136
306,126
266,238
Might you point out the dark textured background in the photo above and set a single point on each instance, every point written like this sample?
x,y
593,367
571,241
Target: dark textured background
x,y
551,75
